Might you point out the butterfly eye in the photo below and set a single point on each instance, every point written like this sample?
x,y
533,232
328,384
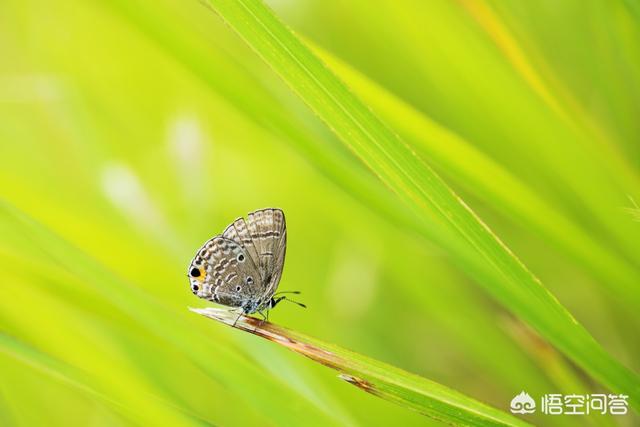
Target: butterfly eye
x,y
240,258
195,272
249,280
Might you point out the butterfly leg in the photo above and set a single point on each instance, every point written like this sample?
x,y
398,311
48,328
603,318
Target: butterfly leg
x,y
237,318
265,317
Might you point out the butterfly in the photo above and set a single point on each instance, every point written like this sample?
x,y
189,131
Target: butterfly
x,y
241,267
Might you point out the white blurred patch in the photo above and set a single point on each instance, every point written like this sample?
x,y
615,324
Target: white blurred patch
x,y
26,88
123,188
285,5
185,144
293,10
353,281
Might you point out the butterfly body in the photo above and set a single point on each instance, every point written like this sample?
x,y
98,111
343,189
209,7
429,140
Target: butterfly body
x,y
241,267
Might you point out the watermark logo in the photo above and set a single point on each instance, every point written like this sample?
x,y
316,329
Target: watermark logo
x,y
523,404
572,404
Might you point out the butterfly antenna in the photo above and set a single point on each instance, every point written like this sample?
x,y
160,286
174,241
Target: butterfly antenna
x,y
276,301
296,302
288,292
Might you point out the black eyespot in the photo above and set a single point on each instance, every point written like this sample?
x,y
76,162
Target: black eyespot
x,y
195,272
238,288
195,288
249,280
240,258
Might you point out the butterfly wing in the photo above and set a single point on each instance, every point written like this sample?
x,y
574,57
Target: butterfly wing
x,y
224,272
239,232
267,228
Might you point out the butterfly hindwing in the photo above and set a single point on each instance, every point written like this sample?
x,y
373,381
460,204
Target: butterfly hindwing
x,y
231,278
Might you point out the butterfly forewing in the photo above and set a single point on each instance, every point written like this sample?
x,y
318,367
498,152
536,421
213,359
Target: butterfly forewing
x,y
267,229
274,280
238,232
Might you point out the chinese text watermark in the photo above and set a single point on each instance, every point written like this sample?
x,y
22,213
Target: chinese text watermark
x,y
572,404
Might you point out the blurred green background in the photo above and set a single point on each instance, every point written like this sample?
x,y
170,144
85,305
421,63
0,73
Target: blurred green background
x,y
133,131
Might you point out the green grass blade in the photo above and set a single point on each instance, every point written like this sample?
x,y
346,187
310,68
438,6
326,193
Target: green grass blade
x,y
422,189
79,380
375,377
479,174
157,320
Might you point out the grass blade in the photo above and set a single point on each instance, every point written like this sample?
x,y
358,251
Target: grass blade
x,y
158,321
422,189
372,376
72,377
471,168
